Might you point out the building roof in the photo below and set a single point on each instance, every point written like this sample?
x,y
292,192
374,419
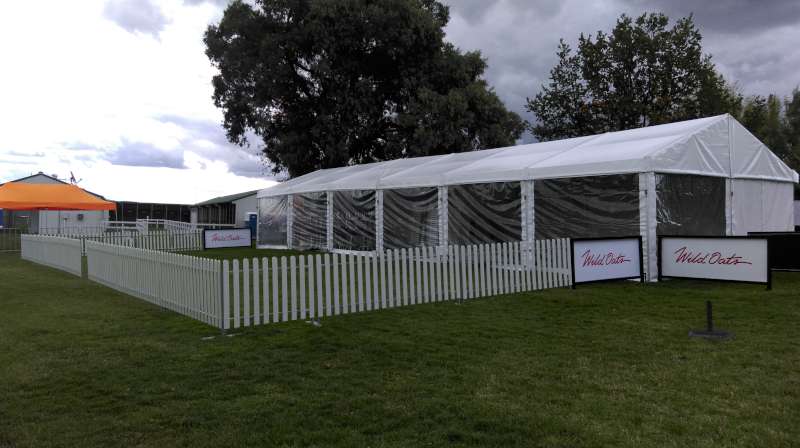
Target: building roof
x,y
53,178
714,146
225,199
55,196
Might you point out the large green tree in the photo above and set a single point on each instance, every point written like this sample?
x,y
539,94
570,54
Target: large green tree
x,y
643,73
777,124
791,125
791,133
328,83
763,117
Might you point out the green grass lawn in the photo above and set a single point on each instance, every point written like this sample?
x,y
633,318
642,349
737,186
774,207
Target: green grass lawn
x,y
608,365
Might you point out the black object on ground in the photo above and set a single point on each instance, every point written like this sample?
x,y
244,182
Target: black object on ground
x,y
710,332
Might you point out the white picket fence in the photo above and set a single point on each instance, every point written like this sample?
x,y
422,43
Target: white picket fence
x,y
78,231
140,226
262,291
149,225
256,291
181,283
159,240
56,252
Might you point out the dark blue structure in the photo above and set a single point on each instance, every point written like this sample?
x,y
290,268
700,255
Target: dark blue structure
x,y
252,223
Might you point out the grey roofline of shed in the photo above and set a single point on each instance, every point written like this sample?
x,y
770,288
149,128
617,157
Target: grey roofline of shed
x,y
57,180
228,198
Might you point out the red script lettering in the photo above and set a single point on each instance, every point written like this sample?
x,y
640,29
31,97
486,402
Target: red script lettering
x,y
685,256
606,259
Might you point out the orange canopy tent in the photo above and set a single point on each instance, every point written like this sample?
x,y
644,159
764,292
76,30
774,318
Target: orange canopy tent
x,y
22,196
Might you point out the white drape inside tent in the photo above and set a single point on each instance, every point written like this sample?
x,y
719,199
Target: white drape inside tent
x,y
759,206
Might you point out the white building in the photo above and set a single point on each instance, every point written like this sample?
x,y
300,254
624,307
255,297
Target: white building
x,y
232,209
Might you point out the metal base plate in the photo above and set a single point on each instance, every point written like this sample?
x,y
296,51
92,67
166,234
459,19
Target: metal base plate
x,y
716,334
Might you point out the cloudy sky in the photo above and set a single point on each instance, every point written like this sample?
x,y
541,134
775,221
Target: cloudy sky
x,y
118,91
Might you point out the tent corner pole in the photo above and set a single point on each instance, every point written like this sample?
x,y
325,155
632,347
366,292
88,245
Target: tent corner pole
x,y
443,219
379,221
329,221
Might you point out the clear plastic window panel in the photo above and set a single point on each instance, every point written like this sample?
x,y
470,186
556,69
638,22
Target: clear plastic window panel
x,y
410,217
586,207
690,205
272,214
484,213
309,221
354,220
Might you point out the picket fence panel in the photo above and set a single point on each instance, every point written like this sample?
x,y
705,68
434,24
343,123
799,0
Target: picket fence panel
x,y
160,240
10,239
279,289
187,285
56,252
255,291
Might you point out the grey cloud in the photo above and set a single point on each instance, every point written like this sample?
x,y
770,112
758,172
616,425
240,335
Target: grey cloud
x,y
26,154
18,162
753,43
77,146
14,174
204,138
214,2
475,11
199,129
86,158
144,154
243,161
136,16
731,16
519,40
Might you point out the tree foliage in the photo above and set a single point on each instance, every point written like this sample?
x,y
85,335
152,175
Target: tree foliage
x,y
642,73
791,126
334,82
776,123
762,117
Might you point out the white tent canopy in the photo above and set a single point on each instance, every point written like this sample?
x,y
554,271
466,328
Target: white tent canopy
x,y
708,176
716,146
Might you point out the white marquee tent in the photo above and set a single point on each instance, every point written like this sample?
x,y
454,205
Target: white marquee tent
x,y
706,176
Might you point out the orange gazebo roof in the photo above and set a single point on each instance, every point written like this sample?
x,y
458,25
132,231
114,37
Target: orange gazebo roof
x,y
22,196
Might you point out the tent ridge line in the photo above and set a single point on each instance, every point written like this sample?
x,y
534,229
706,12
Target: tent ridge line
x,y
682,138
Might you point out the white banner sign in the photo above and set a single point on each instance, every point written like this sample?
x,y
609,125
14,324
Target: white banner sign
x,y
734,259
226,238
606,259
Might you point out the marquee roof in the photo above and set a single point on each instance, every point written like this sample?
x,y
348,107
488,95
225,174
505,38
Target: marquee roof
x,y
714,146
23,196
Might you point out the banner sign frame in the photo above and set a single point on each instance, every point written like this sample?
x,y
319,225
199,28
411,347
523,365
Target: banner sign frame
x,y
572,242
249,239
768,263
787,242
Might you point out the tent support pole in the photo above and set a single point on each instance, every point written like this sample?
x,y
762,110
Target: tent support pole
x,y
647,223
289,220
527,212
379,221
730,217
329,221
442,210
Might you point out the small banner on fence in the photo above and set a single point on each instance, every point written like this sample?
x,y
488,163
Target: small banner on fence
x,y
604,259
731,258
213,239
